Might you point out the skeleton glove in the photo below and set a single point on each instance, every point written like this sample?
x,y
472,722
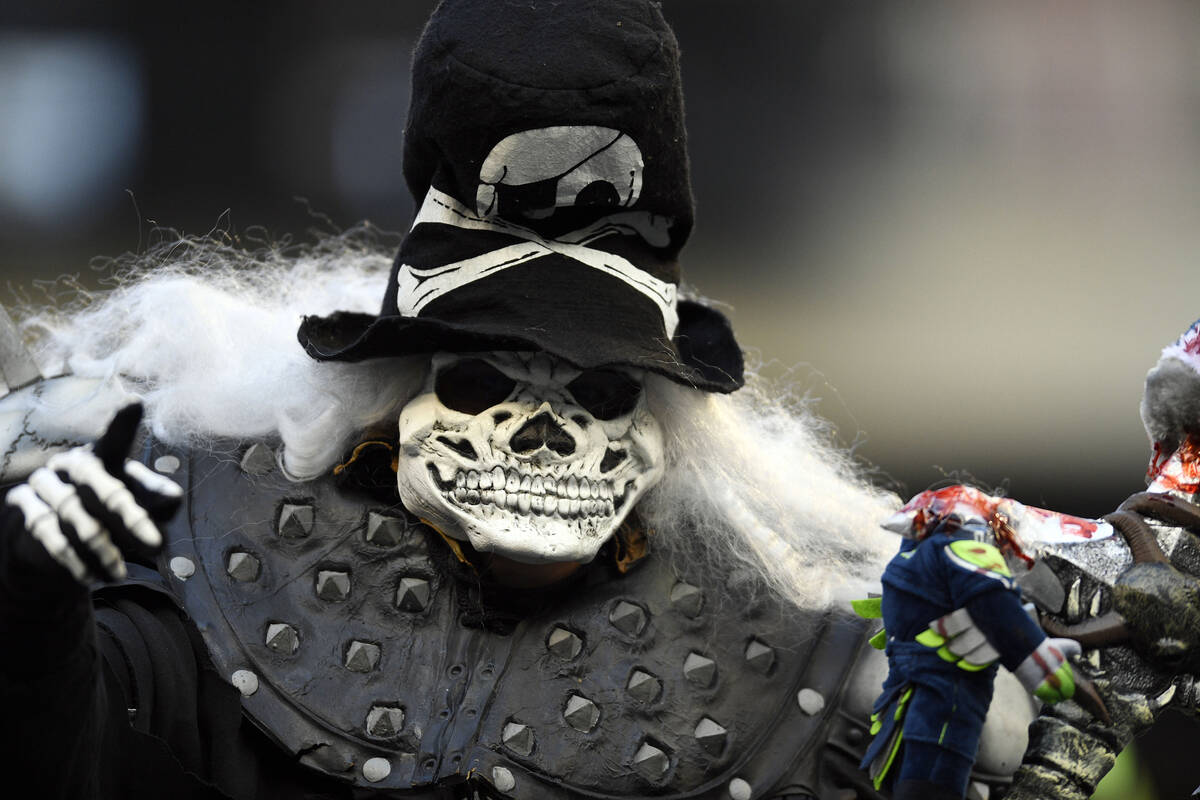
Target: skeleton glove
x,y
90,507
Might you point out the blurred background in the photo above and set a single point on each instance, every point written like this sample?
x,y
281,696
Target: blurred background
x,y
967,229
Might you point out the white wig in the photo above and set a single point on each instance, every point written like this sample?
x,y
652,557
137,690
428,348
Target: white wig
x,y
205,333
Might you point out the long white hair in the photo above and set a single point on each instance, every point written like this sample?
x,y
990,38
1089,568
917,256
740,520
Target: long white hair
x,y
205,333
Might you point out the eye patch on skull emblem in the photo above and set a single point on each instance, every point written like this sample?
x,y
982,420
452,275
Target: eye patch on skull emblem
x,y
525,455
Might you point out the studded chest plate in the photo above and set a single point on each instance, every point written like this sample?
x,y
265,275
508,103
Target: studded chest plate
x,y
334,619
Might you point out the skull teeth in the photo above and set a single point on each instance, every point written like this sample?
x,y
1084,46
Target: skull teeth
x,y
533,494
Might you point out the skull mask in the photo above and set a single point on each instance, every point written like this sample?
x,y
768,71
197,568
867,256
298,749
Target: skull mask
x,y
526,456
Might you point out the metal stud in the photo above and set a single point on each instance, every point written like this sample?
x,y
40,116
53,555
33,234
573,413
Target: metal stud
x,y
413,594
711,735
384,530
739,789
182,567
282,638
581,713
700,670
166,464
376,769
295,521
242,566
759,655
811,701
244,681
628,617
517,737
333,584
503,780
564,644
651,761
258,460
362,656
385,721
687,599
643,686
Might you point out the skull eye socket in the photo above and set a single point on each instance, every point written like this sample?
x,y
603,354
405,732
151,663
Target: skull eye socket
x,y
472,386
605,393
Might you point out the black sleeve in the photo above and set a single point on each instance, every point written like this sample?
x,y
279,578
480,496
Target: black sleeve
x,y
49,681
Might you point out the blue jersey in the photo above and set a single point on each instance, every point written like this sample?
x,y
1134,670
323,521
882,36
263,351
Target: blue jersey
x,y
927,580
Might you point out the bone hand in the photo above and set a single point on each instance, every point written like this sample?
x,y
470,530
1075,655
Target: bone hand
x,y
88,506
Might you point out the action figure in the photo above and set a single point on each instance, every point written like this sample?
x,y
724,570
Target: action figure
x,y
952,614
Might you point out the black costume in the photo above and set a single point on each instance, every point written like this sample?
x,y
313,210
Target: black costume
x,y
485,682
364,649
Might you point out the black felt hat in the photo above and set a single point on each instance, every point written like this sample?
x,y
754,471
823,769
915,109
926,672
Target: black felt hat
x,y
546,147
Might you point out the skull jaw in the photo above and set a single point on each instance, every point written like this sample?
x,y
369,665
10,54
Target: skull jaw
x,y
523,537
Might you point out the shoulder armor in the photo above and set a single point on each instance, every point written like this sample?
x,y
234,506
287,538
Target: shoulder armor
x,y
336,619
52,415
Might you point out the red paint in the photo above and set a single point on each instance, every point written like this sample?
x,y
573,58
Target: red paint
x,y
1180,472
1191,340
1072,526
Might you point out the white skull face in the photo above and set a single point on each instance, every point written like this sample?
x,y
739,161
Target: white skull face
x,y
526,456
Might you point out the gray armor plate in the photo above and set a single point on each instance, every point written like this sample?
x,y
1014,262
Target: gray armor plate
x,y
341,625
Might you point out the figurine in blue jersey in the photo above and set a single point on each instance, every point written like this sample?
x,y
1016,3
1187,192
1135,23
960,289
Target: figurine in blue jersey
x,y
952,614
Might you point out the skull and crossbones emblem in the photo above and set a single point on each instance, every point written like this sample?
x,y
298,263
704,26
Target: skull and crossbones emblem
x,y
533,173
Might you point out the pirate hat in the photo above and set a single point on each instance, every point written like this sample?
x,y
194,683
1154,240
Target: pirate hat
x,y
546,145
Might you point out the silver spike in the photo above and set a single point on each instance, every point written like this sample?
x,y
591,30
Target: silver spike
x,y
242,566
581,713
643,686
362,656
651,761
333,584
384,530
700,670
258,460
711,735
759,655
564,644
517,737
385,721
628,617
413,594
295,521
282,638
17,367
687,599
739,789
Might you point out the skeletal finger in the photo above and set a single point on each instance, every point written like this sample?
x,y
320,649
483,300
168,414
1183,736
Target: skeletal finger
x,y
151,480
66,503
42,524
85,469
953,623
967,641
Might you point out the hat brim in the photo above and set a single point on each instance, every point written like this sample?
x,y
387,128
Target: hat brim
x,y
703,353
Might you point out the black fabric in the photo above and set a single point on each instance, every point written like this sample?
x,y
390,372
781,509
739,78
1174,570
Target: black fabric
x,y
486,70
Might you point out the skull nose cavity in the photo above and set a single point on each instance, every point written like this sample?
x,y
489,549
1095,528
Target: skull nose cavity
x,y
542,431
